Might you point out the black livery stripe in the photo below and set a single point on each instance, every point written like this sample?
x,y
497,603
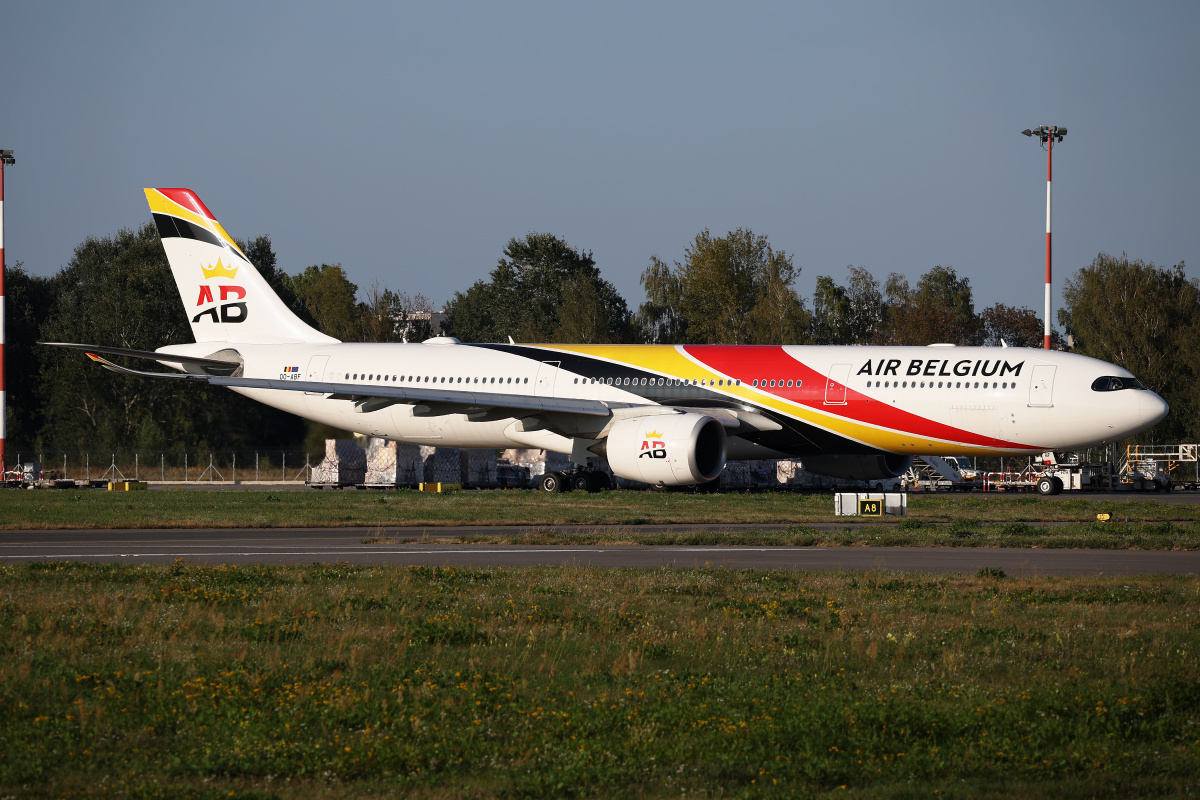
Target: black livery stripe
x,y
169,227
797,438
174,227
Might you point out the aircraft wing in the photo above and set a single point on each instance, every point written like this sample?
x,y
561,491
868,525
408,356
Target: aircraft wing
x,y
369,398
150,354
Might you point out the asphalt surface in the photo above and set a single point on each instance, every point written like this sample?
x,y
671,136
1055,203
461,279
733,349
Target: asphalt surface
x,y
411,546
1179,497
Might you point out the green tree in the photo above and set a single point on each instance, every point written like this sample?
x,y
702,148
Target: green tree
x,y
660,318
732,289
778,315
389,316
119,291
114,291
542,290
940,309
1015,327
831,313
866,306
1146,319
847,315
262,255
331,301
26,302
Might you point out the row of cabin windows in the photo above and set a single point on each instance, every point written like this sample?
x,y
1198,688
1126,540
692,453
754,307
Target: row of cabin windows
x,y
434,379
948,385
720,382
658,382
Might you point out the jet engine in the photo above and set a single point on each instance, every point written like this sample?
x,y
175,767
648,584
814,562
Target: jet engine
x,y
862,468
667,450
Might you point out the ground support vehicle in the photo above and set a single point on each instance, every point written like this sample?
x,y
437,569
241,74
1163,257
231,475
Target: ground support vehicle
x,y
1155,467
941,474
1052,473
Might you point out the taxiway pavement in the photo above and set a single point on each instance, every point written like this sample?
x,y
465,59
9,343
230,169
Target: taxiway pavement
x,y
429,547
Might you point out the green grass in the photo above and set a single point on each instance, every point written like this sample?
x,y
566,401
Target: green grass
x,y
236,508
909,533
340,681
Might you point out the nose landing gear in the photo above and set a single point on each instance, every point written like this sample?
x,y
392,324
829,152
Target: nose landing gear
x,y
1049,485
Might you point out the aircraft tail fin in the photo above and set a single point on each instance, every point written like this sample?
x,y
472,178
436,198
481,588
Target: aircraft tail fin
x,y
225,297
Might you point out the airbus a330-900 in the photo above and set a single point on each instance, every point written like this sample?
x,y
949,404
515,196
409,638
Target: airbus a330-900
x,y
666,415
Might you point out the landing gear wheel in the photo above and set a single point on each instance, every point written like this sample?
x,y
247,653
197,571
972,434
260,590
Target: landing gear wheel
x,y
599,481
553,482
1058,485
1045,486
582,482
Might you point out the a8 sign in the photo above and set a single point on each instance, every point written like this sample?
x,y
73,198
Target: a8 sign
x,y
870,508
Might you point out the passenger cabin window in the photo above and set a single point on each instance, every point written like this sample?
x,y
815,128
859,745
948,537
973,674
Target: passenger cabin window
x,y
1111,383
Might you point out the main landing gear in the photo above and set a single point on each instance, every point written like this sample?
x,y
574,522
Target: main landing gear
x,y
582,480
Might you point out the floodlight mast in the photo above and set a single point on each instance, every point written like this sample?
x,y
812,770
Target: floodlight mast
x,y
6,158
1047,134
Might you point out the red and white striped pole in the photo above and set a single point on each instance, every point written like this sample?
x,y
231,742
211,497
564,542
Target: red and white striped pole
x,y
1049,161
1046,135
4,157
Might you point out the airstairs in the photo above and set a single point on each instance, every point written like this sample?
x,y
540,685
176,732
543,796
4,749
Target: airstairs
x,y
1155,466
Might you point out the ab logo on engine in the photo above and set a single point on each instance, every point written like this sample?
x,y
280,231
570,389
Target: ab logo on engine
x,y
653,446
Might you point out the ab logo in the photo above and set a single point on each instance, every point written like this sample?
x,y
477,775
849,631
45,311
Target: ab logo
x,y
227,312
653,449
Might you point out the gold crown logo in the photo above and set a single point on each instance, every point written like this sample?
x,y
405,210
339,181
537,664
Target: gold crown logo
x,y
653,435
219,271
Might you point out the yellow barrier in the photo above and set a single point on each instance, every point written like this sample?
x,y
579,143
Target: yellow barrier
x,y
127,486
441,487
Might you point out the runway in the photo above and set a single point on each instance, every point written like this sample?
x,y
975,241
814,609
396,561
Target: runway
x,y
409,546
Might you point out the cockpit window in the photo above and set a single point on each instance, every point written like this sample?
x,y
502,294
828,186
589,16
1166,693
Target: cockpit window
x,y
1111,383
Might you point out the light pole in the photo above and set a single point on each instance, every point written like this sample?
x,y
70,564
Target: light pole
x,y
6,158
1047,134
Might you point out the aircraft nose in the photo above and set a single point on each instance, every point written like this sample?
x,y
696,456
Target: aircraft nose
x,y
1153,409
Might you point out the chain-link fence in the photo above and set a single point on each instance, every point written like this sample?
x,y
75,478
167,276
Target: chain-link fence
x,y
289,466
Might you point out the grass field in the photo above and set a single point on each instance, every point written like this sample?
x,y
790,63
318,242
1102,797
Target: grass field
x,y
338,681
235,508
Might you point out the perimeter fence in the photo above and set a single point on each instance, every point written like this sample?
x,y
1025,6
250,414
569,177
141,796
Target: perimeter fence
x,y
179,466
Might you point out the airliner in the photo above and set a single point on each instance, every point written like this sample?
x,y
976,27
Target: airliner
x,y
665,415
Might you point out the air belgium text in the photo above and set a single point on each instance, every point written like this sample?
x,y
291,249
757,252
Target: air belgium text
x,y
937,367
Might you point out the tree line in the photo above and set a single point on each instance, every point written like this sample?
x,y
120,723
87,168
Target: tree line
x,y
731,289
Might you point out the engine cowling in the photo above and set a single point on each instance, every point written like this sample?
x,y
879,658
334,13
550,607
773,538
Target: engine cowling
x,y
858,467
667,450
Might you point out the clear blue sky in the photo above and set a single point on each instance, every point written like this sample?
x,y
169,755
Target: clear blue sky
x,y
410,142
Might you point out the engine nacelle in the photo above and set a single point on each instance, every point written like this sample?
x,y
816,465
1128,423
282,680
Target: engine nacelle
x,y
860,468
668,449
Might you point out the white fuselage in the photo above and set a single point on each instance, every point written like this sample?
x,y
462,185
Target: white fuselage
x,y
904,400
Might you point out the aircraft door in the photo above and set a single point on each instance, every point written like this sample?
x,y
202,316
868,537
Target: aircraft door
x,y
316,371
547,374
835,384
1041,386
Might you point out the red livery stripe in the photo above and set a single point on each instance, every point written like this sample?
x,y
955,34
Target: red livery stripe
x,y
188,199
772,362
